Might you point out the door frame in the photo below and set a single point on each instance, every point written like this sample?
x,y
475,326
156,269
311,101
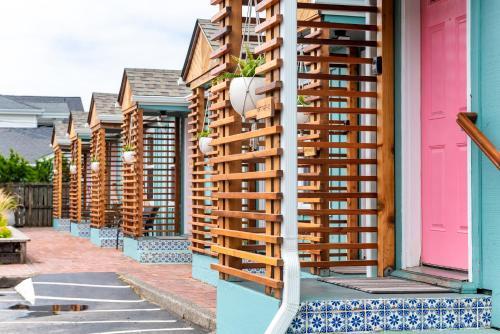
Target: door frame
x,y
411,204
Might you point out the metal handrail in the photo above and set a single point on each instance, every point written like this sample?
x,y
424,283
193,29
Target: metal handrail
x,y
467,121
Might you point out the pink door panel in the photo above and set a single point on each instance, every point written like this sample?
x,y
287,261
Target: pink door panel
x,y
444,145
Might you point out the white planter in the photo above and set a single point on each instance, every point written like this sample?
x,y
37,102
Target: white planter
x,y
129,157
72,169
242,93
204,145
94,166
302,118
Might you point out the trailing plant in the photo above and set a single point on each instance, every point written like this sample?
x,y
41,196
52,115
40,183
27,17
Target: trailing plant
x,y
65,170
204,133
7,203
128,148
94,159
302,102
246,67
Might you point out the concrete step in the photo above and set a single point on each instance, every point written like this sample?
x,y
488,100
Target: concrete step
x,y
446,282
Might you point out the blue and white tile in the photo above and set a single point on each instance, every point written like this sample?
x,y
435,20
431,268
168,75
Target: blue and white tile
x,y
450,319
335,304
298,326
316,305
431,319
374,304
413,320
393,303
335,322
374,320
484,317
393,321
412,304
468,318
355,321
430,303
316,323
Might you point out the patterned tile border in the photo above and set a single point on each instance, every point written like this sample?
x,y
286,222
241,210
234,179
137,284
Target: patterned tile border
x,y
400,314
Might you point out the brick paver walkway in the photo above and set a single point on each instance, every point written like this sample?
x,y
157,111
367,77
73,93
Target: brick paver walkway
x,y
50,251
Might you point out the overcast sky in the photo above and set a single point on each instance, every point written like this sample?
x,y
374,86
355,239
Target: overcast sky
x,y
76,47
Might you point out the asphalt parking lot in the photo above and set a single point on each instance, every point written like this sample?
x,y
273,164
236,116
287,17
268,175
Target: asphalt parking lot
x,y
85,303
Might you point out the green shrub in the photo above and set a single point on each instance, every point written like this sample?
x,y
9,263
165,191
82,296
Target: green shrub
x,y
5,233
3,221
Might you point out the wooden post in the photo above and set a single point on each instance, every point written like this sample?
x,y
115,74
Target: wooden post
x,y
385,138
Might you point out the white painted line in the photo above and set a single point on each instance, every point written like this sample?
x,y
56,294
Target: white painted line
x,y
7,292
12,300
84,285
62,322
147,330
92,300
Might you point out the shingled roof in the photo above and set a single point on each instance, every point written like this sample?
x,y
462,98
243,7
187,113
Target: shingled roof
x,y
153,82
59,132
105,104
79,121
31,143
209,29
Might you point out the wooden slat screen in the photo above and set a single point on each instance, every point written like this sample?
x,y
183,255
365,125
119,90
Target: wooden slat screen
x,y
98,152
75,194
334,153
151,186
57,179
202,203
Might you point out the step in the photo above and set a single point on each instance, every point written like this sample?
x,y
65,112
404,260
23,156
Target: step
x,y
437,278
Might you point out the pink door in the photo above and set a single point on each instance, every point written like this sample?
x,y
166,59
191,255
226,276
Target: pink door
x,y
444,145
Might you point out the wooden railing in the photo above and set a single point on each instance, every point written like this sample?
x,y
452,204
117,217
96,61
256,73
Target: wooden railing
x,y
467,121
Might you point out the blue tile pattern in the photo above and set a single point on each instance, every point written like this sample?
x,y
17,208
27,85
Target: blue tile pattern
x,y
62,224
399,314
81,229
173,250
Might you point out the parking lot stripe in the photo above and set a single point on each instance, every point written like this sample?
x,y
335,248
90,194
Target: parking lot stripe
x,y
91,299
84,285
147,330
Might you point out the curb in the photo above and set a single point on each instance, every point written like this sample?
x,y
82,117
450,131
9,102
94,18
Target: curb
x,y
182,307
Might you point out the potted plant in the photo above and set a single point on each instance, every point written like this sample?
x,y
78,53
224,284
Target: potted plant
x,y
244,82
94,164
302,118
128,154
204,142
72,168
8,203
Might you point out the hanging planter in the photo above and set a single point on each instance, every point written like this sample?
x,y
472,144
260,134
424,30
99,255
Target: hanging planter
x,y
204,142
244,82
72,169
129,154
302,118
94,165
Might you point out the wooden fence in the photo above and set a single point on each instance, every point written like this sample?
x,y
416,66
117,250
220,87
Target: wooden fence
x,y
35,201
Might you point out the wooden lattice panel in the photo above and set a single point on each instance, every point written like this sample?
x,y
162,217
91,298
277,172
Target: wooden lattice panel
x,y
202,203
151,185
98,152
75,194
57,183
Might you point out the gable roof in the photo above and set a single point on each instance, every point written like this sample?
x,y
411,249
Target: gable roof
x,y
60,133
47,103
153,82
105,104
78,120
208,30
7,103
31,143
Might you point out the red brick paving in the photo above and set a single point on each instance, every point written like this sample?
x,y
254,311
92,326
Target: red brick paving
x,y
50,252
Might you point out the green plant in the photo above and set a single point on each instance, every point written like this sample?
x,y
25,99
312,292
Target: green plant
x,y
42,171
5,232
245,66
128,148
14,168
94,159
301,101
7,201
204,133
3,221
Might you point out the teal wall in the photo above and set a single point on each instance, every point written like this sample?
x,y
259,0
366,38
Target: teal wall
x,y
486,178
243,310
201,271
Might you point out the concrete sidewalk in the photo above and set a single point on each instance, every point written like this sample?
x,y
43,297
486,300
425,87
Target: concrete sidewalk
x,y
51,252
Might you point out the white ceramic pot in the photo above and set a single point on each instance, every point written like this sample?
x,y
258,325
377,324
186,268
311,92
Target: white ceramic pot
x,y
72,169
94,166
204,145
129,157
302,118
242,93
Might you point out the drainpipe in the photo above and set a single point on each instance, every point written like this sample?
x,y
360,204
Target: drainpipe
x,y
289,227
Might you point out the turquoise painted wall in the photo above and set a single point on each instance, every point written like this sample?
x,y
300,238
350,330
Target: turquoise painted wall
x,y
243,310
201,271
486,178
